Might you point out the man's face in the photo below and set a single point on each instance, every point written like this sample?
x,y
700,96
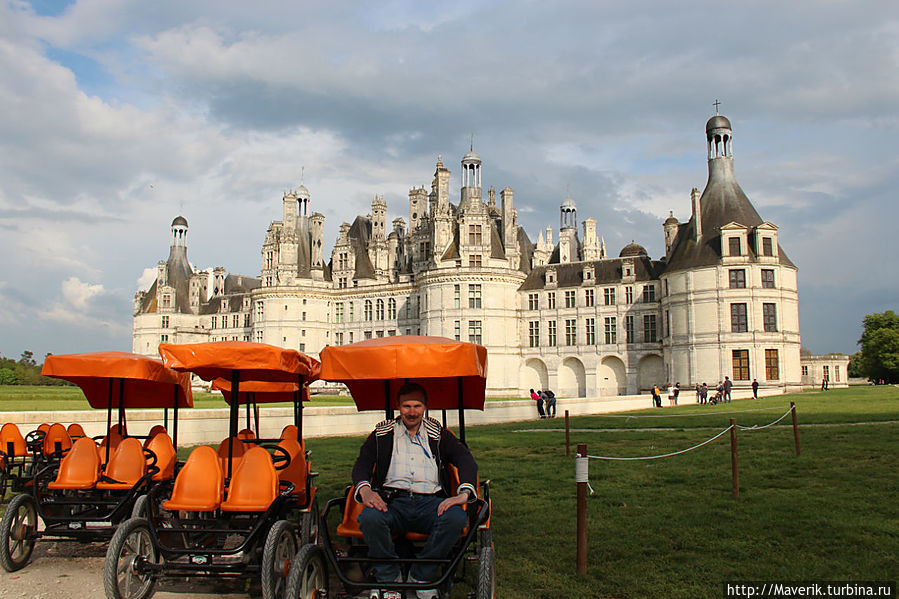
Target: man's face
x,y
412,409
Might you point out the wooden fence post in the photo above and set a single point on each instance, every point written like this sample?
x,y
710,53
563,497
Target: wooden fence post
x,y
582,517
567,436
795,426
733,457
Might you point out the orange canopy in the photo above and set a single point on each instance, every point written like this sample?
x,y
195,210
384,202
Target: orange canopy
x,y
261,391
118,379
255,361
377,367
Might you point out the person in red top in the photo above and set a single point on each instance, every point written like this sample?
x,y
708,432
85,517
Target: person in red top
x,y
539,399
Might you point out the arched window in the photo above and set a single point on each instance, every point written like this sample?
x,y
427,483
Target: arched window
x,y
367,309
380,310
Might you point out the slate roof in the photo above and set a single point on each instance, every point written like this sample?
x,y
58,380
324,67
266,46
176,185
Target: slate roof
x,y
609,271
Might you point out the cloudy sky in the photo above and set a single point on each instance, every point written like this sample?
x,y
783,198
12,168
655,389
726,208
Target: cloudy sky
x,y
118,115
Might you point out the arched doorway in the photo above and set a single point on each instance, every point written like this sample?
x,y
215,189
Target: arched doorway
x,y
612,377
650,371
533,375
572,378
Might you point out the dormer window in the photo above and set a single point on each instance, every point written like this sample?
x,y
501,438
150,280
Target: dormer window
x,y
767,246
734,248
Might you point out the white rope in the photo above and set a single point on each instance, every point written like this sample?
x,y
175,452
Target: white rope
x,y
756,427
667,455
582,471
685,415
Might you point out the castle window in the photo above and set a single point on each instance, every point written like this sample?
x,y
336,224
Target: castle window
x,y
269,259
258,336
338,338
379,334
769,317
772,368
768,278
391,332
165,322
650,334
551,300
667,323
474,235
457,293
738,323
551,333
163,338
350,313
611,333
740,359
836,373
166,301
474,296
302,347
589,298
367,335
214,323
609,296
457,330
533,301
534,333
734,246
805,371
260,311
367,313
474,261
391,308
338,312
590,330
570,331
570,299
235,320
342,261
379,310
649,294
629,295
767,246
474,331
737,278
629,329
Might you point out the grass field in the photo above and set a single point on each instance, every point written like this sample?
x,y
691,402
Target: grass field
x,y
670,528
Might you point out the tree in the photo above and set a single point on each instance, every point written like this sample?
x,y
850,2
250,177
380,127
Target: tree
x,y
855,366
880,347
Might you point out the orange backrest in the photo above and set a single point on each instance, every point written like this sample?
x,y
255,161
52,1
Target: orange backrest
x,y
254,485
199,485
112,438
297,469
236,453
75,430
351,510
80,468
246,434
57,434
10,433
44,427
126,466
161,445
157,428
290,432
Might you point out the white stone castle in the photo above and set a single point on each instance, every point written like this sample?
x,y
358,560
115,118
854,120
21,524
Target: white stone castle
x,y
563,314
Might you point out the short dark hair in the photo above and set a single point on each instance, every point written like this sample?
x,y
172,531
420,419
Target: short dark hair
x,y
409,389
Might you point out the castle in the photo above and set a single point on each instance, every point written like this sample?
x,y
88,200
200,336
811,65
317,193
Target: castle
x,y
560,314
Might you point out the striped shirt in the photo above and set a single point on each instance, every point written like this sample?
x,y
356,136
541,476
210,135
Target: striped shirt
x,y
413,466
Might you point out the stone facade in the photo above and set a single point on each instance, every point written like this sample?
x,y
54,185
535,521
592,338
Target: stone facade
x,y
562,315
833,368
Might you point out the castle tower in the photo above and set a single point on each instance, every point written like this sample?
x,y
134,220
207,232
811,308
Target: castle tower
x,y
590,248
670,226
568,246
471,179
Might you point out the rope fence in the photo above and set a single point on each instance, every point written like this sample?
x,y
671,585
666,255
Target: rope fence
x,y
582,470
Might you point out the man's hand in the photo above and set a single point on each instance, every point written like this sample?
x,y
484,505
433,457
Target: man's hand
x,y
373,500
460,499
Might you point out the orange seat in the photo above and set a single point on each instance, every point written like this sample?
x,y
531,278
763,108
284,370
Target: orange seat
x,y
297,470
126,466
75,430
290,432
236,453
10,434
80,468
157,428
246,434
43,427
254,485
199,485
57,434
351,510
161,445
112,438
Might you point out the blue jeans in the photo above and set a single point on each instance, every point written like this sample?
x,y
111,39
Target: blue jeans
x,y
416,514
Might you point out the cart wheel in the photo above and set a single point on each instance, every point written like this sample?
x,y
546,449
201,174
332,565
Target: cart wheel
x,y
4,477
277,557
309,575
18,525
486,537
139,509
486,574
130,548
309,526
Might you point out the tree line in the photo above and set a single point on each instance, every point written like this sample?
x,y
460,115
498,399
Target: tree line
x,y
25,371
878,359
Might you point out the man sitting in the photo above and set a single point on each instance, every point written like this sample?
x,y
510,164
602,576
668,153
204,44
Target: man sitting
x,y
400,478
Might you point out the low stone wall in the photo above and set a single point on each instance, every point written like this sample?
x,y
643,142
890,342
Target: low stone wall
x,y
211,426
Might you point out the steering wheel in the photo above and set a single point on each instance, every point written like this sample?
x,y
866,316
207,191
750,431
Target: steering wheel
x,y
34,440
280,458
151,457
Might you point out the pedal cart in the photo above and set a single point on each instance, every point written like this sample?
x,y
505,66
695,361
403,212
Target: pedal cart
x,y
454,376
228,512
86,491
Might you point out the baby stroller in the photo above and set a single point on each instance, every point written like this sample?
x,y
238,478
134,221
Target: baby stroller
x,y
717,398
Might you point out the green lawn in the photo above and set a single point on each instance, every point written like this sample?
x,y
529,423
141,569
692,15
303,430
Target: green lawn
x,y
670,528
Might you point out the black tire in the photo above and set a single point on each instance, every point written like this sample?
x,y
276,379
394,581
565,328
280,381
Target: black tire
x,y
139,509
4,477
17,526
485,537
280,550
131,545
486,574
309,524
309,575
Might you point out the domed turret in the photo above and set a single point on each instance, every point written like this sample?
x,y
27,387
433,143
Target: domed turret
x,y
717,122
632,250
179,221
179,232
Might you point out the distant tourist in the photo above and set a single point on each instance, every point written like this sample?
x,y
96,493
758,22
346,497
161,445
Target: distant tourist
x,y
676,392
539,399
755,389
698,393
705,393
728,385
550,403
656,396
